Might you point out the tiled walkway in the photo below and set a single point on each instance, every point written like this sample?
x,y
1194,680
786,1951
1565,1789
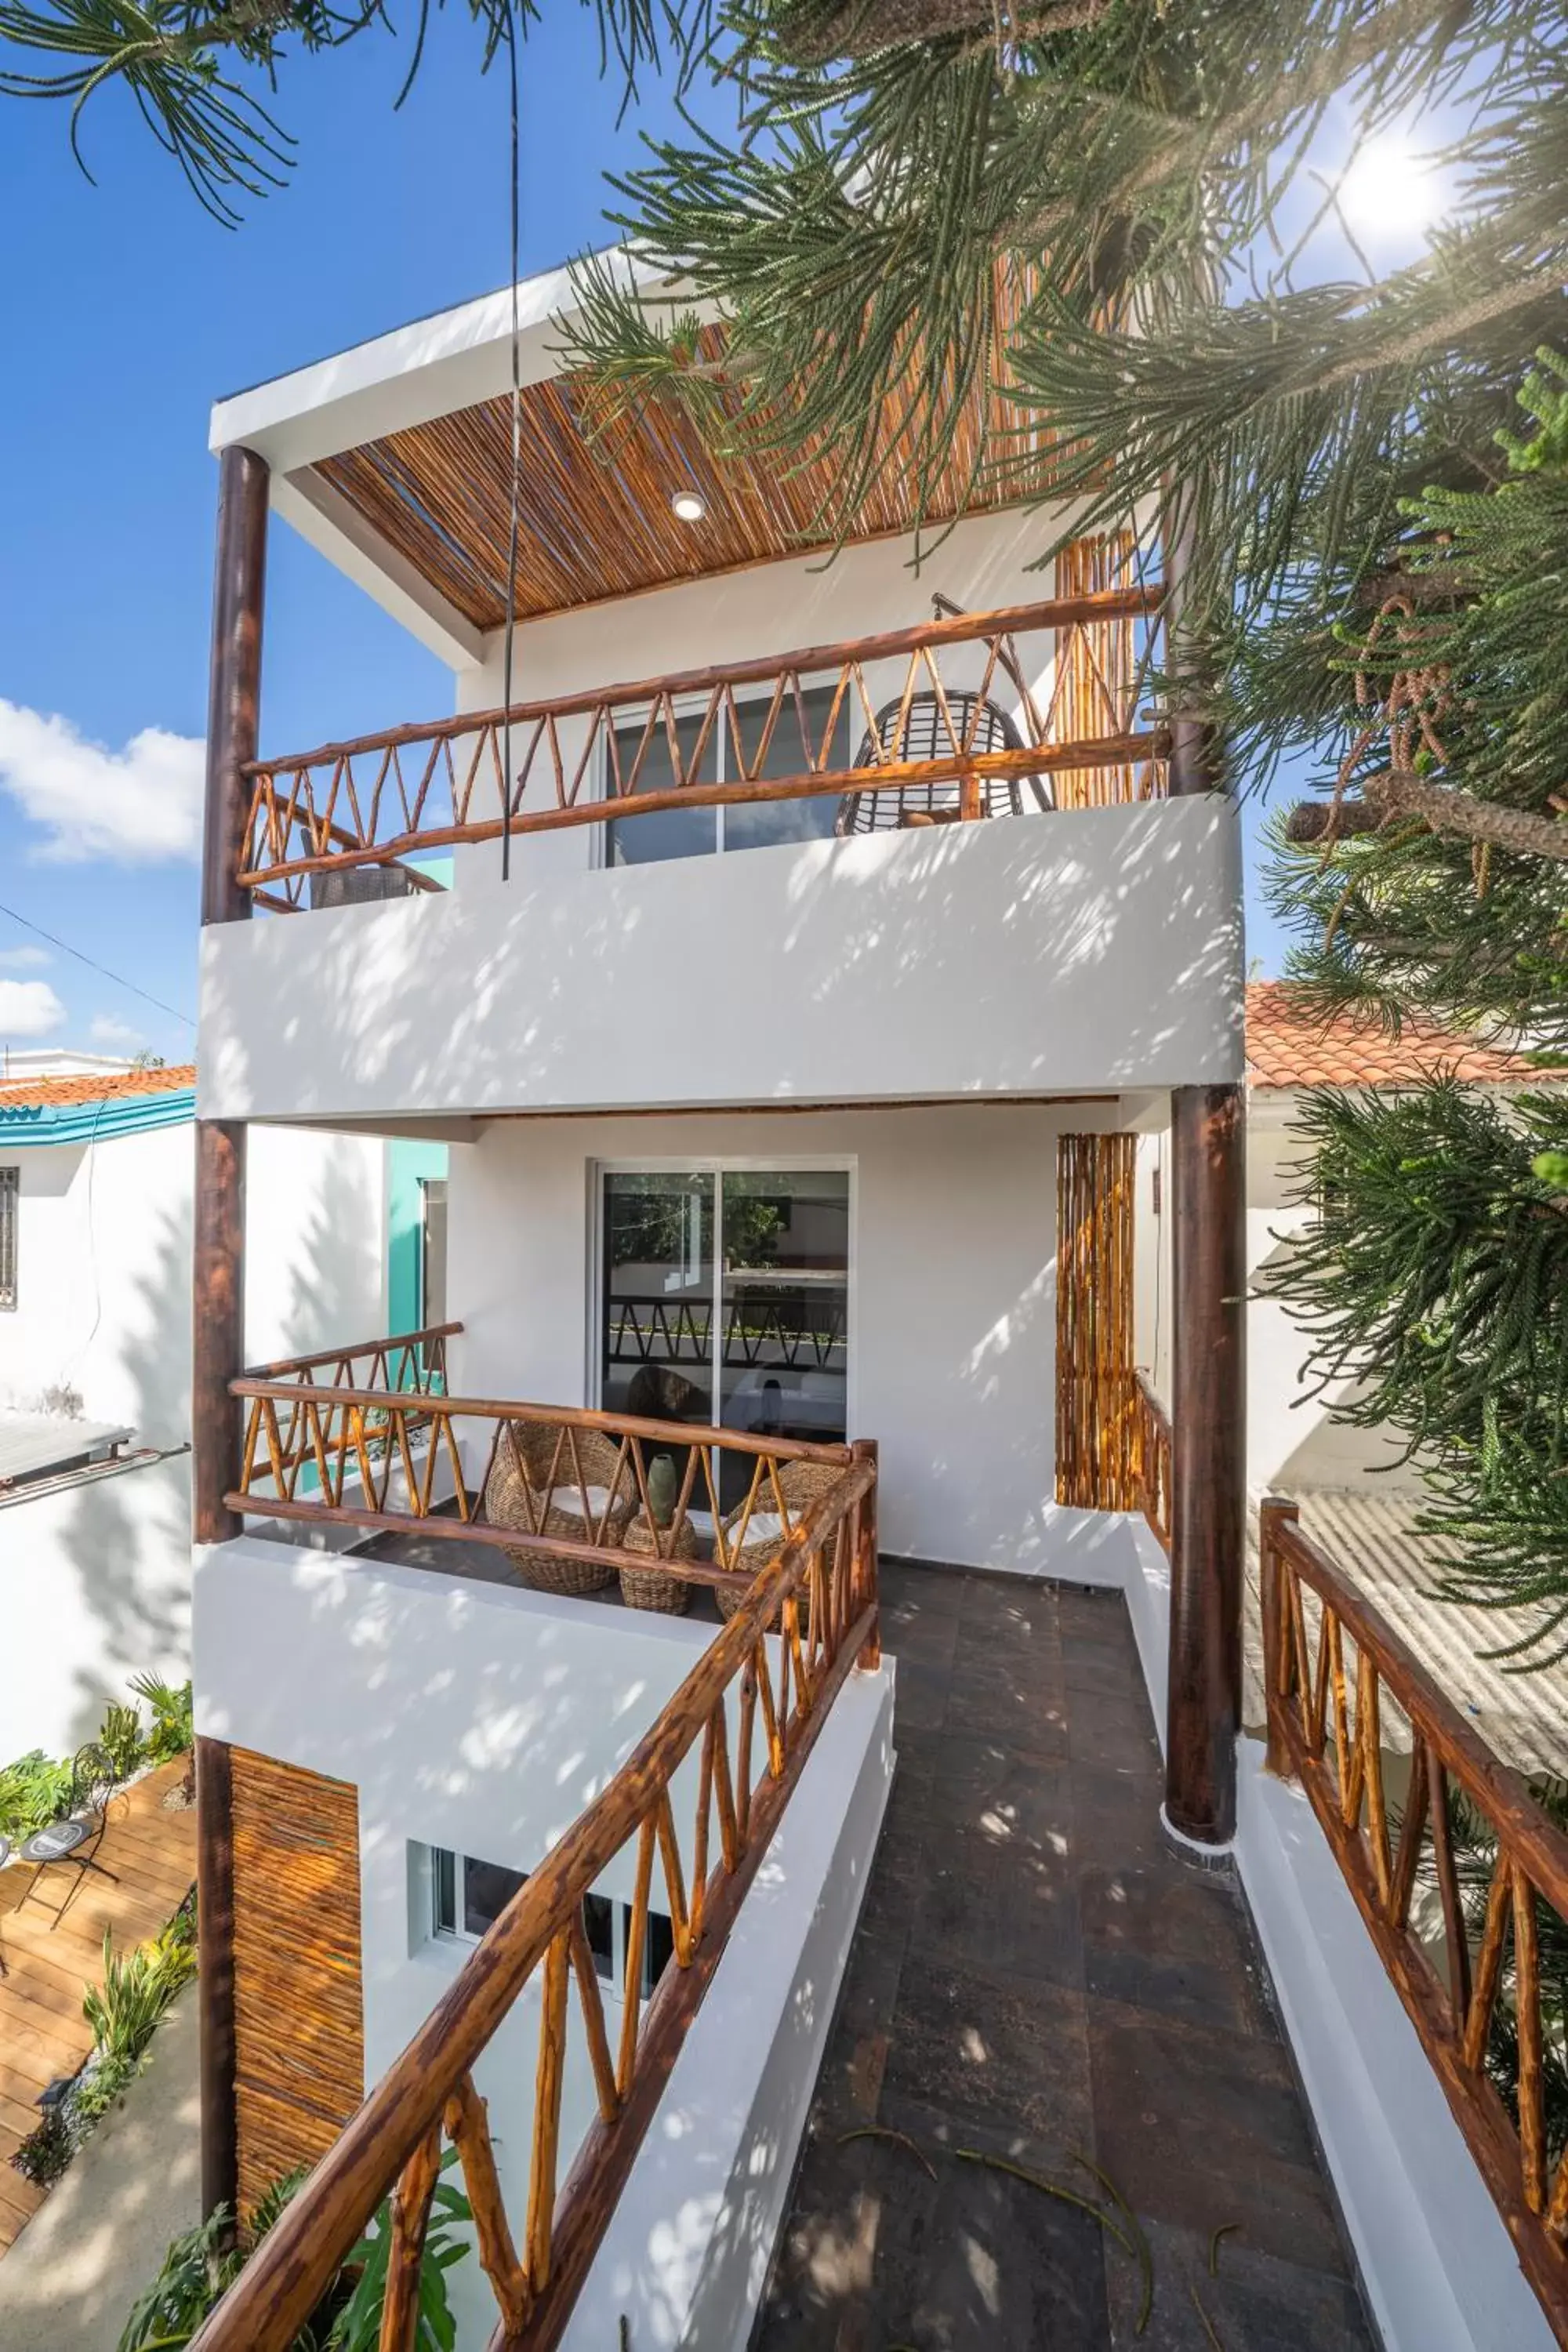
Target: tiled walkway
x,y
1036,1977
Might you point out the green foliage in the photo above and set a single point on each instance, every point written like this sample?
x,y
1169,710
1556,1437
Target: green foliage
x,y
33,1792
122,1738
48,2150
1475,1848
195,67
1433,1275
137,1987
173,1731
198,2269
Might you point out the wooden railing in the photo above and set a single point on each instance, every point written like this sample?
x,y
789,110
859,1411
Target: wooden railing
x,y
394,2143
1151,1448
400,1457
1352,1714
585,758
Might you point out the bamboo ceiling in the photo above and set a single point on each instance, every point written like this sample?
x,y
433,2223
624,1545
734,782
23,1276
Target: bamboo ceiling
x,y
597,523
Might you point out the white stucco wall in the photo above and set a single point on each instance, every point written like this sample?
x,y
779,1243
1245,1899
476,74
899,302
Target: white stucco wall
x,y
952,1295
95,1580
484,1718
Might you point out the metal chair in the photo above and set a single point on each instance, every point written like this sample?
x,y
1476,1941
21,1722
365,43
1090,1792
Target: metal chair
x,y
928,732
77,1834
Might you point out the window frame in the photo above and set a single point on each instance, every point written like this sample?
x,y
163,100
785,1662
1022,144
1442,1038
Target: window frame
x,y
446,1873
691,705
771,1163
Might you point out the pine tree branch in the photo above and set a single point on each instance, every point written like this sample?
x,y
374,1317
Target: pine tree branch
x,y
1401,792
809,37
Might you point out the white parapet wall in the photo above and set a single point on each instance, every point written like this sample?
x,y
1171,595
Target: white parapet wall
x,y
481,1720
1086,952
1439,2268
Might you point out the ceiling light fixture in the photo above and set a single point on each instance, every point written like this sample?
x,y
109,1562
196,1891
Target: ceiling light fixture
x,y
688,506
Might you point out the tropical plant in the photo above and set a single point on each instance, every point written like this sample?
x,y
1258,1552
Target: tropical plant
x,y
34,1792
199,2268
137,1988
173,1729
122,1738
48,2150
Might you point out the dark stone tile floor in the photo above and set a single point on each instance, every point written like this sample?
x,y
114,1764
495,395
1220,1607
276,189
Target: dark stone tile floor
x,y
1038,1978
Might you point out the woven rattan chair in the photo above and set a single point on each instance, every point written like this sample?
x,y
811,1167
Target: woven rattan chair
x,y
926,734
535,1488
762,1535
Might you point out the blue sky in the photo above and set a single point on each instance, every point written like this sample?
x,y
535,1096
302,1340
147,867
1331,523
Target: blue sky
x,y
130,311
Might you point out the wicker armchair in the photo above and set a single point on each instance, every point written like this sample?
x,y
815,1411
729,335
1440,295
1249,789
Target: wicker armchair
x,y
535,1488
925,734
762,1535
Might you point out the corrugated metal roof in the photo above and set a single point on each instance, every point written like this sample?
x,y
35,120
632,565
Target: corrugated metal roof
x,y
34,1445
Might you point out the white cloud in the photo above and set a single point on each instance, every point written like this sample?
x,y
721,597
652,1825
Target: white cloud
x,y
24,959
137,806
28,1008
115,1035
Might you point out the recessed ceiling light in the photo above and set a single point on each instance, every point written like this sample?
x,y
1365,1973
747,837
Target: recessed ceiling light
x,y
688,506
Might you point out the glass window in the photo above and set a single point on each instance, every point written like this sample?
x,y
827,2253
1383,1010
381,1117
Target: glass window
x,y
644,757
488,1888
657,1306
599,1919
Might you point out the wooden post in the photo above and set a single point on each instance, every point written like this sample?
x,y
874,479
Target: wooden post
x,y
1208,1387
218,1352
864,1449
1275,1511
214,1944
233,712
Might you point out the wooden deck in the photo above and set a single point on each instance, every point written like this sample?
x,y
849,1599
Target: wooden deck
x,y
50,1961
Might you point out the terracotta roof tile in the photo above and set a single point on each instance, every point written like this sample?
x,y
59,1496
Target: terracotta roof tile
x,y
1289,1046
101,1085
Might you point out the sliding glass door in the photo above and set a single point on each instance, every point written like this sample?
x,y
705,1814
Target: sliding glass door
x,y
724,1295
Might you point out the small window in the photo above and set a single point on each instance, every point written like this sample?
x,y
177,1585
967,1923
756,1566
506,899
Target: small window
x,y
10,1196
468,1895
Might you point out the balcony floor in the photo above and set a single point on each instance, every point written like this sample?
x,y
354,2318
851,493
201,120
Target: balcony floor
x,y
1036,1977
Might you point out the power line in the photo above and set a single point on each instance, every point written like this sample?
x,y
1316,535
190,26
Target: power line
x,y
120,982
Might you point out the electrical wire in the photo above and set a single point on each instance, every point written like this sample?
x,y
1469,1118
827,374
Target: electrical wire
x,y
507,643
120,981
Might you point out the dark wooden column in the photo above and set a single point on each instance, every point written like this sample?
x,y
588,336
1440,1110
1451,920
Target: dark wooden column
x,y
217,1353
1208,1400
215,1932
233,714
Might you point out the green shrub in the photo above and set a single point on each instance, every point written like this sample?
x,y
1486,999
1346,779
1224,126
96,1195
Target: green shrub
x,y
173,1729
122,1738
137,1987
198,2269
34,1792
46,2150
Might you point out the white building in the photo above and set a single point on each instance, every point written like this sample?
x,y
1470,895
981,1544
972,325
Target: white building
x,y
96,1176
800,1115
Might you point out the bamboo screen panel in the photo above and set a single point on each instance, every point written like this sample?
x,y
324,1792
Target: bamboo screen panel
x,y
1096,1389
1098,694
298,1995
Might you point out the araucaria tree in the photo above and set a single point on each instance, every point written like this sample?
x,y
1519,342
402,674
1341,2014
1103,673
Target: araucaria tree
x,y
1122,220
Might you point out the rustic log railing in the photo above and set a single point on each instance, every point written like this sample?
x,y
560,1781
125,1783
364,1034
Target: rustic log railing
x,y
585,758
341,1451
1472,1987
1152,1446
394,2143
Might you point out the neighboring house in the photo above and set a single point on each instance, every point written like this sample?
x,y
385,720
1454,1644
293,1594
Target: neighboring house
x,y
794,1128
96,1173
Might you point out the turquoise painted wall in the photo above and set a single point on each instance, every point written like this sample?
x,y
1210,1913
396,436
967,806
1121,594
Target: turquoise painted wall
x,y
408,1165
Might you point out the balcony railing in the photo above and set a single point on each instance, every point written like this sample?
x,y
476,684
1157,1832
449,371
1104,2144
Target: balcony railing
x,y
368,1437
818,1590
1151,1458
661,743
1454,1866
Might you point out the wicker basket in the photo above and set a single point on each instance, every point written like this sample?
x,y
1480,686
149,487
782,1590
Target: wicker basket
x,y
518,1494
802,1485
654,1587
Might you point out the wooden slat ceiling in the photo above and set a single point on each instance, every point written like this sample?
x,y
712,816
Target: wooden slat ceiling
x,y
596,522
